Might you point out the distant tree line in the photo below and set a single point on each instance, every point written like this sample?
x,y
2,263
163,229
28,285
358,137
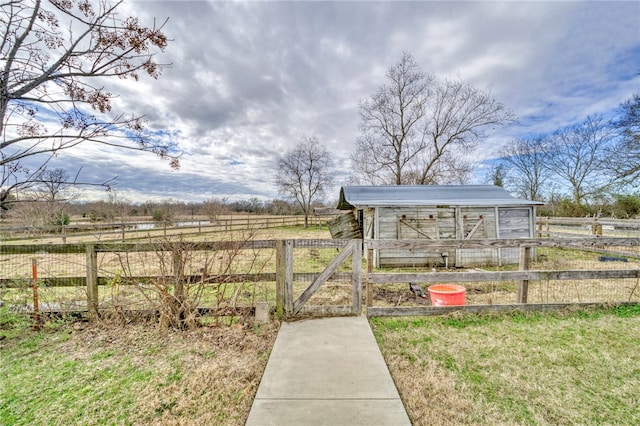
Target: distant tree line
x,y
47,211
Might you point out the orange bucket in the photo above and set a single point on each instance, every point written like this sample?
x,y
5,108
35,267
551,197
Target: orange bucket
x,y
447,295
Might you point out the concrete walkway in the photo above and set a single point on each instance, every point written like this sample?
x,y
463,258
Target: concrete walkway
x,y
327,372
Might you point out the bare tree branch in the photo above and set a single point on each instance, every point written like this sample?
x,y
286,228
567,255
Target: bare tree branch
x,y
57,55
415,128
625,158
577,156
525,161
303,174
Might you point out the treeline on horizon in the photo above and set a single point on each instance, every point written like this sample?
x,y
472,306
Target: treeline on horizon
x,y
47,212
165,210
59,212
621,206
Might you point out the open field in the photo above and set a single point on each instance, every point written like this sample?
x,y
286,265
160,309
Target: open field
x,y
580,367
236,227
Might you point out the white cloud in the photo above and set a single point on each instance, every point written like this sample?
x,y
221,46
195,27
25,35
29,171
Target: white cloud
x,y
249,79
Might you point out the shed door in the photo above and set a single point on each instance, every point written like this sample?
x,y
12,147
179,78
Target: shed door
x,y
514,223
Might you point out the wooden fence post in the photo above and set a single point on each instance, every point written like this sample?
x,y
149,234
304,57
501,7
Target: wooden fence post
x,y
356,280
92,281
284,277
34,277
596,228
369,271
523,289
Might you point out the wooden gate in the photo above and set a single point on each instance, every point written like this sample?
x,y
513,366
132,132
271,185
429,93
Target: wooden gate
x,y
285,303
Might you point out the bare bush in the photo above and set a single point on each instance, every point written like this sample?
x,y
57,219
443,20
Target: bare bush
x,y
215,208
182,281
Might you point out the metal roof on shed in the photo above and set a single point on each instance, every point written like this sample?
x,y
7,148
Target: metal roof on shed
x,y
428,195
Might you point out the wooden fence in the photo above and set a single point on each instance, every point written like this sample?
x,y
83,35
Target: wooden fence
x,y
285,272
330,258
567,227
523,275
142,229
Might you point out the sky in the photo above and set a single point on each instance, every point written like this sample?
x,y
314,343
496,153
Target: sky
x,y
247,81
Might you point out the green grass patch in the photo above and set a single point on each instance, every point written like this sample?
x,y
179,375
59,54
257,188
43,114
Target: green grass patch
x,y
86,374
565,367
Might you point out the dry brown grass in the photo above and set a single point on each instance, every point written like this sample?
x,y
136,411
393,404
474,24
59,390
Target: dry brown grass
x,y
571,367
137,374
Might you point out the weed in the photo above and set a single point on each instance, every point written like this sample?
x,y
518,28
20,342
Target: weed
x,y
627,311
13,324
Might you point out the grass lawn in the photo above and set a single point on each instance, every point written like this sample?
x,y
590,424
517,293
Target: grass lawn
x,y
580,367
81,374
569,367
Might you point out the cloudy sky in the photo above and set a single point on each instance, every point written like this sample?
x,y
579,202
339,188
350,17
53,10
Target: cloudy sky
x,y
248,80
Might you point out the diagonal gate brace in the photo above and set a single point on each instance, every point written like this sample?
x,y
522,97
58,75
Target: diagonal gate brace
x,y
322,278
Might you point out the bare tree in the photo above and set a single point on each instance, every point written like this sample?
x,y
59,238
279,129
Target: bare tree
x,y
118,206
578,158
215,208
391,122
56,186
46,204
304,174
56,57
625,158
31,213
416,129
525,163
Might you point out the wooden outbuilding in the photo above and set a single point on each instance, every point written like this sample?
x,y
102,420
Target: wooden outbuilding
x,y
438,212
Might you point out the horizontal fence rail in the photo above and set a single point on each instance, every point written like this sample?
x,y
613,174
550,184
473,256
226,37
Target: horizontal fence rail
x,y
559,227
584,242
143,229
460,277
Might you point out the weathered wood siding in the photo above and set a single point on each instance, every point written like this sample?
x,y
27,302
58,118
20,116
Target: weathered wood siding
x,y
474,223
408,223
344,227
514,223
368,223
450,223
